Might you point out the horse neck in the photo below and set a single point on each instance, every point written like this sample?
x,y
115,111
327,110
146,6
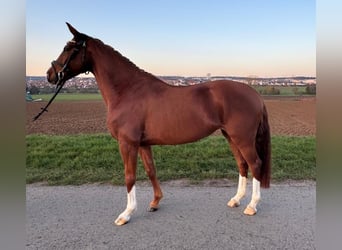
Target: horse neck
x,y
115,74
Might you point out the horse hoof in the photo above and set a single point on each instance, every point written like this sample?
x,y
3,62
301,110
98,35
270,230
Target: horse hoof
x,y
233,203
120,221
152,209
250,211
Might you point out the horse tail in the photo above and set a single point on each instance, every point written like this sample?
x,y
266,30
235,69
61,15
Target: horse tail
x,y
263,148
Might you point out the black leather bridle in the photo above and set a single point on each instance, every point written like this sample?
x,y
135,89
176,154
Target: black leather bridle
x,y
64,67
61,73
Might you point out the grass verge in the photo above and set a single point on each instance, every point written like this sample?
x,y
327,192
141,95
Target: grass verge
x,y
80,159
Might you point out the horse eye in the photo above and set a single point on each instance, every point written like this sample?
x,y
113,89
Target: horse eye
x,y
66,48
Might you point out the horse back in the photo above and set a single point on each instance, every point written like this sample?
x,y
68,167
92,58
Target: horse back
x,y
236,97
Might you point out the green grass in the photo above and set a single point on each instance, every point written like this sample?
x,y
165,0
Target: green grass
x,y
80,159
69,97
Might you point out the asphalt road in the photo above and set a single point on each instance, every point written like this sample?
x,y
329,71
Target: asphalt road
x,y
192,217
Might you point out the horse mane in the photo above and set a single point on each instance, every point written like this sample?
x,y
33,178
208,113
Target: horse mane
x,y
117,54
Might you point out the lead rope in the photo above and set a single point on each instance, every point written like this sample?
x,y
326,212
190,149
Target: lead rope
x,y
60,86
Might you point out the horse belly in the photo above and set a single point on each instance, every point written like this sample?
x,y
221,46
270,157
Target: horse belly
x,y
179,130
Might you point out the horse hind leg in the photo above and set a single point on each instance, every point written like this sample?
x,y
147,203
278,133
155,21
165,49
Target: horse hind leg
x,y
251,207
254,163
243,170
147,158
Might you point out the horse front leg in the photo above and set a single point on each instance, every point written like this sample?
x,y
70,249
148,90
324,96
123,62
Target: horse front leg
x,y
147,158
129,154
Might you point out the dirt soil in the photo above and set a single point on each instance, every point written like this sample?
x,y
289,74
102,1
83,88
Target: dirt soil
x,y
287,116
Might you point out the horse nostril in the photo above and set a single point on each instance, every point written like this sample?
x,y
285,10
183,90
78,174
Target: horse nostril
x,y
49,74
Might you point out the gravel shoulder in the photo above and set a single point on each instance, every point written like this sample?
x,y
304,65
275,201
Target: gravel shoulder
x,y
190,217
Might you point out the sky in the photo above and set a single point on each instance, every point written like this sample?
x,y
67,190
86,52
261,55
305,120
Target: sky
x,y
264,38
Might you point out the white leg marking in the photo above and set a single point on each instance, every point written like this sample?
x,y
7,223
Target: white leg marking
x,y
251,208
241,191
125,216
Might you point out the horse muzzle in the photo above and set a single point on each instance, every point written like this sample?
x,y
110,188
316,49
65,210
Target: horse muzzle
x,y
53,76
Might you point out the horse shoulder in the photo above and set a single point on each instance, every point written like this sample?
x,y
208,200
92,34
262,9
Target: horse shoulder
x,y
126,122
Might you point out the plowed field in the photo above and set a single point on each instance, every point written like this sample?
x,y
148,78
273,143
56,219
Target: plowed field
x,y
287,116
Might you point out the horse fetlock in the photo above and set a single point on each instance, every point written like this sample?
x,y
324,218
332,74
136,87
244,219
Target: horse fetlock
x,y
157,199
125,216
122,220
154,205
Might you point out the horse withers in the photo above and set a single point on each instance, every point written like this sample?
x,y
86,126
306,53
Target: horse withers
x,y
142,111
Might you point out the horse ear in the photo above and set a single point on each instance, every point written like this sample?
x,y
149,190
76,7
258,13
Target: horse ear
x,y
72,30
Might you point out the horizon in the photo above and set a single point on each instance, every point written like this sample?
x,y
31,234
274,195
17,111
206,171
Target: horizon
x,y
184,38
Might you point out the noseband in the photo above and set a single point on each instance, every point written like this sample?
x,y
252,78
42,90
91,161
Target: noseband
x,y
60,74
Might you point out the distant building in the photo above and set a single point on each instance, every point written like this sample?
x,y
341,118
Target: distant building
x,y
88,84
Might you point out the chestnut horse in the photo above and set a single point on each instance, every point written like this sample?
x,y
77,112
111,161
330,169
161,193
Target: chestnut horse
x,y
142,111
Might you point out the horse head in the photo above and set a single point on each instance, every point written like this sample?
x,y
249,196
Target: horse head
x,y
72,61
